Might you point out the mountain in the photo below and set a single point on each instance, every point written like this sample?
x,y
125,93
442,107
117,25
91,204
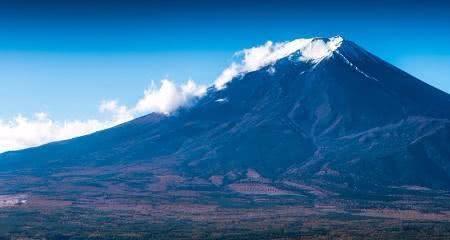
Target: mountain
x,y
345,118
315,138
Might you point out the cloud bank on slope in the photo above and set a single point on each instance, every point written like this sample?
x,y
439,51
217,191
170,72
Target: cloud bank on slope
x,y
255,58
22,132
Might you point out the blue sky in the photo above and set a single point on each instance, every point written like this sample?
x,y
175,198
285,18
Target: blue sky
x,y
65,57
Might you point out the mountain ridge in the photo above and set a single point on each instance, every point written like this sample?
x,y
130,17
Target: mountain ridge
x,y
286,119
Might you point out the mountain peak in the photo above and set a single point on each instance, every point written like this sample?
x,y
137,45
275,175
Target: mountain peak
x,y
320,110
319,48
252,59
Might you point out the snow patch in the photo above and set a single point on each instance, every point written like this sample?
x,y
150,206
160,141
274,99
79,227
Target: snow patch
x,y
12,200
221,100
356,68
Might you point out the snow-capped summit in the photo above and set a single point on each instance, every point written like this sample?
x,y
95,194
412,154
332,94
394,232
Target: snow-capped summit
x,y
252,59
321,110
319,48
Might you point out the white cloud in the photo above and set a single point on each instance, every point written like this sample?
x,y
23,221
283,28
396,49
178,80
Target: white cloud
x,y
168,97
229,73
119,113
255,58
22,132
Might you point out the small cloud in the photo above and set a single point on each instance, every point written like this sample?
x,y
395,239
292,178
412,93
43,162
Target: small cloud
x,y
41,116
168,97
271,70
120,113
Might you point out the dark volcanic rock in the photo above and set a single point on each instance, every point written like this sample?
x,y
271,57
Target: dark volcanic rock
x,y
349,120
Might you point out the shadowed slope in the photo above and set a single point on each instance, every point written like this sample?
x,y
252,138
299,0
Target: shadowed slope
x,y
347,119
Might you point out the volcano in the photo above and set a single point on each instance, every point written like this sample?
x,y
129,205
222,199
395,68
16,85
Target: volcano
x,y
323,118
347,117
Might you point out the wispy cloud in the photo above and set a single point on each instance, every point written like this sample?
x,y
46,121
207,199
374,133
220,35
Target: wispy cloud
x,y
23,132
166,97
255,58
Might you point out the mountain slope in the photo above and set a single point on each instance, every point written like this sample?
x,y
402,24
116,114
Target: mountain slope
x,y
344,118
